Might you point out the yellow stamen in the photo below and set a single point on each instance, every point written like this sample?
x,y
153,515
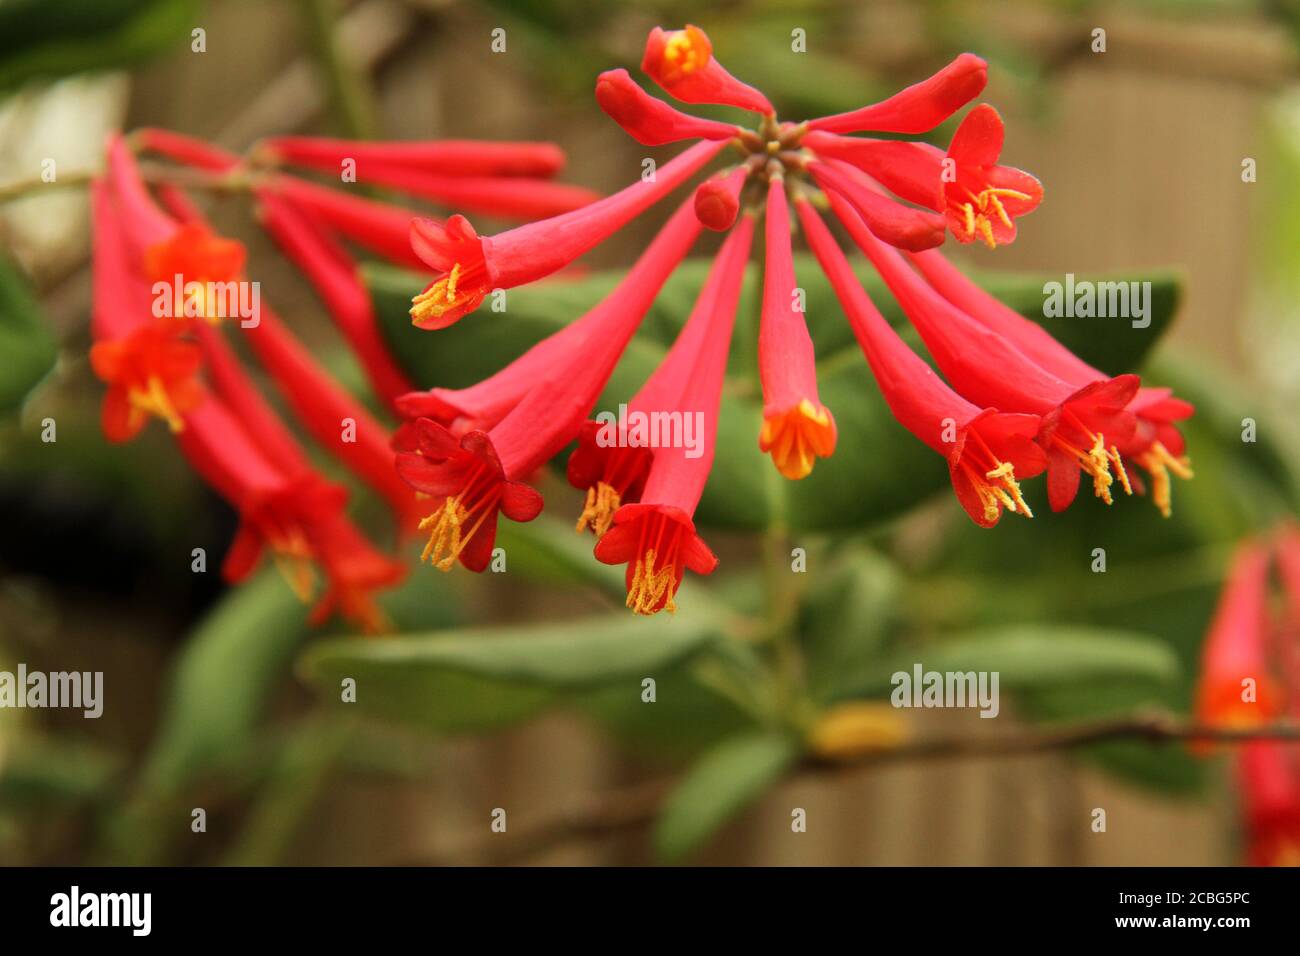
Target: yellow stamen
x,y
650,587
448,536
797,437
155,401
293,560
1159,462
598,512
683,53
1007,488
441,297
985,205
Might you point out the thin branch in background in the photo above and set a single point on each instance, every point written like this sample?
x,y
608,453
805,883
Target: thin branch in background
x,y
628,808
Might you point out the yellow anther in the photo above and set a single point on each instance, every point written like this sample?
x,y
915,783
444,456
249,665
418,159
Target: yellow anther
x,y
154,400
650,588
1160,463
598,512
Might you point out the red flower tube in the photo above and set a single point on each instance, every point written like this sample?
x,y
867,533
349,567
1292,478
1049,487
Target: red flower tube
x,y
1156,444
919,108
333,273
682,63
656,536
613,472
470,265
649,121
1270,790
717,200
797,427
443,157
1080,427
380,227
986,450
479,474
891,222
1235,648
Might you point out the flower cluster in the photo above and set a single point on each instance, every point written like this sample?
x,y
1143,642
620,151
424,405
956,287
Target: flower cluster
x,y
1250,675
1015,402
164,280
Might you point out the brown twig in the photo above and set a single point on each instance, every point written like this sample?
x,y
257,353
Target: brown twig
x,y
626,808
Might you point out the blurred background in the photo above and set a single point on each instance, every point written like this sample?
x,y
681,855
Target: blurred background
x,y
224,699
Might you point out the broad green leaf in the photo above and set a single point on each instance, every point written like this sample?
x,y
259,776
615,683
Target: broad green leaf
x,y
550,551
722,783
219,690
26,341
1038,656
474,680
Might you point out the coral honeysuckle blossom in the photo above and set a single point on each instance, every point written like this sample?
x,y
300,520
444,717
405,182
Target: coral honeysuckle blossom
x,y
1015,402
1249,676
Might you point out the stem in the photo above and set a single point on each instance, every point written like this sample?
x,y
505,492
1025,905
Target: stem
x,y
628,808
350,88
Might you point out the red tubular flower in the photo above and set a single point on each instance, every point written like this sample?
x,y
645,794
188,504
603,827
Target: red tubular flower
x,y
469,476
1235,648
476,474
382,228
333,273
354,571
891,222
1288,564
649,121
797,427
919,108
983,199
909,170
506,196
444,158
194,254
324,409
656,537
986,450
1270,790
613,472
682,63
1080,426
470,265
149,370
186,149
1156,444
717,200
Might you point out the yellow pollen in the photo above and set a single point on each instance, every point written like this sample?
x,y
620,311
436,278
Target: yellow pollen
x,y
1097,462
448,536
681,55
155,400
797,438
439,298
649,587
1007,488
983,207
598,512
1159,462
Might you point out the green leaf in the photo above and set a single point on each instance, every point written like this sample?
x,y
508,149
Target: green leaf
x,y
82,35
1039,656
39,773
548,550
475,680
844,620
219,690
722,783
26,341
